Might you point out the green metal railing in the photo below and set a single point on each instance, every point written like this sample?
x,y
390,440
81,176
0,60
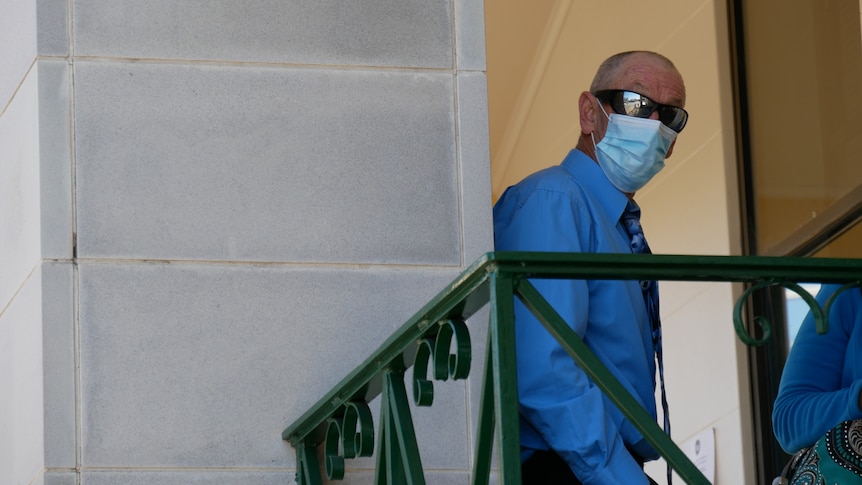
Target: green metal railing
x,y
437,339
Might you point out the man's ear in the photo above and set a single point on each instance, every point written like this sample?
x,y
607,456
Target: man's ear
x,y
587,112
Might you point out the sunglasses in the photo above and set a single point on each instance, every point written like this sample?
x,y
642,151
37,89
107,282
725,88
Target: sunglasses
x,y
630,103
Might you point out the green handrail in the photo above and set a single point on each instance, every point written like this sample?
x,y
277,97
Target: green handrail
x,y
341,421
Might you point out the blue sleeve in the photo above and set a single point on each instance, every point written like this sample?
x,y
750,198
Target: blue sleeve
x,y
811,397
556,397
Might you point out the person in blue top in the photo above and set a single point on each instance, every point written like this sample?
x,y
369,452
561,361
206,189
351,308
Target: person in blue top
x,y
819,402
570,432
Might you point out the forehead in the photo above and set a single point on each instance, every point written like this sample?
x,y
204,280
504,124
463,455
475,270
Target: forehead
x,y
652,78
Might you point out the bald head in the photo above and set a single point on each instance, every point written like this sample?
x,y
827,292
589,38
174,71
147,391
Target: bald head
x,y
613,67
648,73
626,70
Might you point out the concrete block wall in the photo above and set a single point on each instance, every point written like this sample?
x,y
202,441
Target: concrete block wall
x,y
211,212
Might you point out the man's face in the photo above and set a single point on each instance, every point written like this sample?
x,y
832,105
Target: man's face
x,y
649,77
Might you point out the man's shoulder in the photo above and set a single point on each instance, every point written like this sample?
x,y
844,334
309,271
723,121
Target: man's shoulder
x,y
553,175
578,181
557,178
541,194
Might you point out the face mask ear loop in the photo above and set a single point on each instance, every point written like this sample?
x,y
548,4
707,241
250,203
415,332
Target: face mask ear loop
x,y
602,108
595,148
606,116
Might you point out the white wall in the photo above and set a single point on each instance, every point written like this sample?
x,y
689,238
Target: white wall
x,y
211,212
21,394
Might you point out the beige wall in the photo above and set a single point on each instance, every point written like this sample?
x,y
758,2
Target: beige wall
x,y
802,168
690,208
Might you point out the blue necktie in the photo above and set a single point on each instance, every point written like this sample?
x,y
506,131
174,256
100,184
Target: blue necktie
x,y
631,222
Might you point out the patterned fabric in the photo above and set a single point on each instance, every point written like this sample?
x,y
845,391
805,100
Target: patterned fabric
x,y
834,459
631,222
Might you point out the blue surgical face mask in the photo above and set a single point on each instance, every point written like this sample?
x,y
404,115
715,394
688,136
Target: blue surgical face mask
x,y
633,150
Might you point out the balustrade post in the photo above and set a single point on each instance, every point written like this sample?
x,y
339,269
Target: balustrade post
x,y
502,350
398,454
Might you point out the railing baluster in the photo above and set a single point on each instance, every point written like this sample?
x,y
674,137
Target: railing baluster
x,y
440,326
307,466
505,378
402,421
388,466
402,460
485,428
391,471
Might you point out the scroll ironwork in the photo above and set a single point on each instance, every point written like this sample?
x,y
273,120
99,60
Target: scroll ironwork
x,y
436,341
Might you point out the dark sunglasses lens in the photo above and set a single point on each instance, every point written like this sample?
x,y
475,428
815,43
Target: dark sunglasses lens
x,y
634,104
673,117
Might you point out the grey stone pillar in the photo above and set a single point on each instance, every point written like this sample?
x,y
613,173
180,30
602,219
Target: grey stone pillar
x,y
212,211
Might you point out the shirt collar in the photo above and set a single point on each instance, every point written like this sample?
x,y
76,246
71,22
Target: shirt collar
x,y
588,172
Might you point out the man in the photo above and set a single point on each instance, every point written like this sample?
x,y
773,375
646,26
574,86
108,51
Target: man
x,y
570,432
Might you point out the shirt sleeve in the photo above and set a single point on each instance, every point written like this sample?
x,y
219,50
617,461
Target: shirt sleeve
x,y
811,397
556,397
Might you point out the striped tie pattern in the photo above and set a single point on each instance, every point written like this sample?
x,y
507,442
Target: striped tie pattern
x,y
632,224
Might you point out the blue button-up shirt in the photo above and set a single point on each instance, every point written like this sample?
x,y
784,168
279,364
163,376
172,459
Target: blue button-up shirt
x,y
822,378
573,207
